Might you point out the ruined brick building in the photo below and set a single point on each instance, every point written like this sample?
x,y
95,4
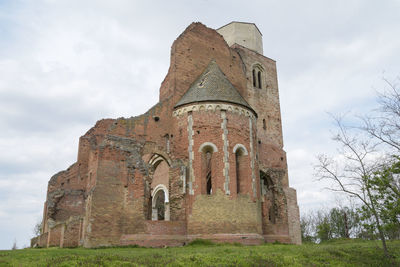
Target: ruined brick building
x,y
207,161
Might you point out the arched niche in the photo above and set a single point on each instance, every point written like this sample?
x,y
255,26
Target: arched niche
x,y
241,166
207,149
258,75
158,199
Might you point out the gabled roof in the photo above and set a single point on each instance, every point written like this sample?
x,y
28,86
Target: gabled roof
x,y
212,86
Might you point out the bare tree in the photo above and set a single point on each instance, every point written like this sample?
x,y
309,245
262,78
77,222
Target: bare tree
x,y
352,170
384,126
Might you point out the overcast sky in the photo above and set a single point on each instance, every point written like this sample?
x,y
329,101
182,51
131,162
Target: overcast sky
x,y
66,64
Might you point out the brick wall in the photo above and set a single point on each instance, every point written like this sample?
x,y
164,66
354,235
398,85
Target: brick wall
x,y
72,233
56,234
218,213
165,227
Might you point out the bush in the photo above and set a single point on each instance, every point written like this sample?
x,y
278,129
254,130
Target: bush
x,y
201,242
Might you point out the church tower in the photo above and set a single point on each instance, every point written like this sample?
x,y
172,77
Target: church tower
x,y
263,96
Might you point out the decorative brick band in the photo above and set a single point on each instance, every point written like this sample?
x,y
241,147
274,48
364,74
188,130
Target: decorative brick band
x,y
213,107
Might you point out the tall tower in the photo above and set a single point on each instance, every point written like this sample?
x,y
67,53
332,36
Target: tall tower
x,y
262,90
263,97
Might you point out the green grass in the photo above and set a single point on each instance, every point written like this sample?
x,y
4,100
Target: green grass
x,y
205,253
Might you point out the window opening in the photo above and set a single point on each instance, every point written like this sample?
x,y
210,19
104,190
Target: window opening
x,y
238,156
208,173
254,78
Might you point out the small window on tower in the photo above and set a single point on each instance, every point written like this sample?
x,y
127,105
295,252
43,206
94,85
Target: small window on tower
x,y
257,74
254,78
264,124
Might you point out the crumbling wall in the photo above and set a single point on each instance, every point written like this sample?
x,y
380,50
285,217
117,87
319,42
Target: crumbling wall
x,y
191,53
65,196
106,221
275,205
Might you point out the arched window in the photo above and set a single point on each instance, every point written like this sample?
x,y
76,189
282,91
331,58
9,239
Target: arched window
x,y
257,73
207,150
240,163
208,173
264,124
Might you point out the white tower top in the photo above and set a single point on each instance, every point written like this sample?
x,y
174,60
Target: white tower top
x,y
244,34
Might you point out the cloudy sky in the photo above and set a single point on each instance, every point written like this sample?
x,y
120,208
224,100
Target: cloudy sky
x,y
66,64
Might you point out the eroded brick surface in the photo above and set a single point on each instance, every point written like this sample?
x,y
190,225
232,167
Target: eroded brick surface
x,y
111,195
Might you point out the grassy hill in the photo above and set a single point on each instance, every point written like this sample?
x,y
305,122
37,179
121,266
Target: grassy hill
x,y
204,253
